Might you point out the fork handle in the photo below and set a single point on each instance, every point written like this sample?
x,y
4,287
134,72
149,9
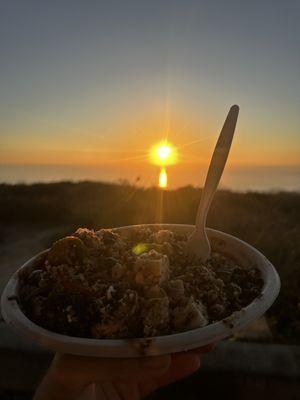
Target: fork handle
x,y
217,165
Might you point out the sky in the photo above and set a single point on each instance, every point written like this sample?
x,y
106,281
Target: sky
x,y
97,83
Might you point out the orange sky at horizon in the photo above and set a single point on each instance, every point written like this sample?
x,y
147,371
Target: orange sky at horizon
x,y
195,141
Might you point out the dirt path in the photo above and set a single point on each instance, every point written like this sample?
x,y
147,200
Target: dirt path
x,y
19,243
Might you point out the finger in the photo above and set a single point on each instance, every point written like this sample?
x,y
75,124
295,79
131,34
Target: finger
x,y
110,391
128,390
84,370
182,365
99,393
89,393
204,349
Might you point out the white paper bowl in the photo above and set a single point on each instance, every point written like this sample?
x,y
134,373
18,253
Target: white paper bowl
x,y
244,254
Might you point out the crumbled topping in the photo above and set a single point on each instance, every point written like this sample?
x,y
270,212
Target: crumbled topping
x,y
175,289
103,285
163,236
110,292
155,315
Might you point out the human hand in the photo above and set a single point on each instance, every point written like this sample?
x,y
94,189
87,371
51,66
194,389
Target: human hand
x,y
116,379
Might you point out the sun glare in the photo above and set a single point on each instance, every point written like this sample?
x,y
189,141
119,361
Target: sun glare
x,y
163,153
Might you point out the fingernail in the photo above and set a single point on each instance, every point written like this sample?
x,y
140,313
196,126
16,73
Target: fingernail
x,y
195,363
157,362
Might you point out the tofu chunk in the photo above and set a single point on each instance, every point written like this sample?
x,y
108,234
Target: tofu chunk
x,y
155,291
191,316
151,268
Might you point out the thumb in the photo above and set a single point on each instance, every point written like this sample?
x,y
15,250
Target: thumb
x,y
84,370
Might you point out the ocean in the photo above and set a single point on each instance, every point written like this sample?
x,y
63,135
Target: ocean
x,y
258,178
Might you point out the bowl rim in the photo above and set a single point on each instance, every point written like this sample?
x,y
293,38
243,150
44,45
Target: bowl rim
x,y
135,347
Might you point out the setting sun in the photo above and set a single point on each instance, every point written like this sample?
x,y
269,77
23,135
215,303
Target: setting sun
x,y
163,153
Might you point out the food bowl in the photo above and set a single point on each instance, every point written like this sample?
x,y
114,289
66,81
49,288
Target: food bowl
x,y
244,254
